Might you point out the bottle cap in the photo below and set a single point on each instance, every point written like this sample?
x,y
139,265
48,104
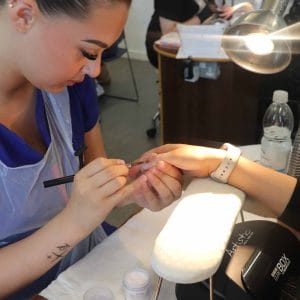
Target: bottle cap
x,y
136,279
280,96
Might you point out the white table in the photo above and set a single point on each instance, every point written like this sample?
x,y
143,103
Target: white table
x,y
130,246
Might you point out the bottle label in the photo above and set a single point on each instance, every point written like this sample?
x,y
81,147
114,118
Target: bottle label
x,y
275,154
277,133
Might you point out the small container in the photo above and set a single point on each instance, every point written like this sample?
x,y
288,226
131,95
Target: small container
x,y
98,292
136,284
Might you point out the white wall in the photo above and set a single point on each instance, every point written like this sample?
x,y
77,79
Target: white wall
x,y
135,30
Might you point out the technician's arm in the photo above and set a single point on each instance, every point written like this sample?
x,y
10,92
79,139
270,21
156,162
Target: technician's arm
x,y
96,191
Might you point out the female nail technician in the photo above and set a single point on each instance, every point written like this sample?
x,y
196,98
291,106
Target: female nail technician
x,y
49,49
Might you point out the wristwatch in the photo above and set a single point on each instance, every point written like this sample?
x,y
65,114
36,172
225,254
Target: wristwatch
x,y
223,171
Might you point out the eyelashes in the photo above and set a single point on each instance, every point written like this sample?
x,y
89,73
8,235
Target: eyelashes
x,y
88,55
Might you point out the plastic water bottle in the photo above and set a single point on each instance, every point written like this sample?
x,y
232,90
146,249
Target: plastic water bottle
x,y
278,123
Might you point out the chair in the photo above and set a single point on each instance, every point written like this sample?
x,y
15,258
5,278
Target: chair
x,y
115,52
151,132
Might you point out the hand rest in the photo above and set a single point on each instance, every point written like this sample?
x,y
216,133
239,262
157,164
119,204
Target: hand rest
x,y
191,245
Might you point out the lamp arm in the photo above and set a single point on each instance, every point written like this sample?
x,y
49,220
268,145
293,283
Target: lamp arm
x,y
278,7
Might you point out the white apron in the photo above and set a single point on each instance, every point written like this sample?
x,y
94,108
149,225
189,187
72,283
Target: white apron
x,y
24,202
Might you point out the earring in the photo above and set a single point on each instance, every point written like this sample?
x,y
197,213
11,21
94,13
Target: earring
x,y
10,5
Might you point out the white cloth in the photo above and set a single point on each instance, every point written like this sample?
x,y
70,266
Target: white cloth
x,y
25,203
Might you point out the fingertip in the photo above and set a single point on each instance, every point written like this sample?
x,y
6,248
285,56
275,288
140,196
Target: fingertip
x,y
161,164
142,179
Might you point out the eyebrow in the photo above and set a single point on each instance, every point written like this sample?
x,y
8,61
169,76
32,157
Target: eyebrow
x,y
97,42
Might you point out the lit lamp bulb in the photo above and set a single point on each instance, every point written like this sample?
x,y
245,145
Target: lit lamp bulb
x,y
259,43
249,41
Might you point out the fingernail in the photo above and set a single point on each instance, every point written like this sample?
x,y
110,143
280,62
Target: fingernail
x,y
148,165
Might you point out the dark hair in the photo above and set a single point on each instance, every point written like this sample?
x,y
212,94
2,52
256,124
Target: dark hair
x,y
74,8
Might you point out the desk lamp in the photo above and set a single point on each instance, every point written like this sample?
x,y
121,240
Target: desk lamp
x,y
251,41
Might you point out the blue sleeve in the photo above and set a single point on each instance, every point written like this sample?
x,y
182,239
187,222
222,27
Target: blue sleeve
x,y
84,109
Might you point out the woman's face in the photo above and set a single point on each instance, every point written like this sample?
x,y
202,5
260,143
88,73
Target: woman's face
x,y
59,51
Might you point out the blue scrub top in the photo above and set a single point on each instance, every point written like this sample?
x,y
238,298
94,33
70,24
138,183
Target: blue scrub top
x,y
14,152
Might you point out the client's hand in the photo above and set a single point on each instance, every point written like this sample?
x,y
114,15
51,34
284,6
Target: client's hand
x,y
194,160
155,185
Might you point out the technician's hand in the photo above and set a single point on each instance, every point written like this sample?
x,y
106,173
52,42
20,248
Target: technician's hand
x,y
96,191
194,160
154,186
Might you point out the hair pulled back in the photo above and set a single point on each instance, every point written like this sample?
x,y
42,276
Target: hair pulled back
x,y
73,8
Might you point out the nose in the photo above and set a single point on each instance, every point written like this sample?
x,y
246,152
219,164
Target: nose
x,y
92,67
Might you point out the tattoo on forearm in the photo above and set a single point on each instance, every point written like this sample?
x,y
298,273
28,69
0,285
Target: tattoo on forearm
x,y
59,252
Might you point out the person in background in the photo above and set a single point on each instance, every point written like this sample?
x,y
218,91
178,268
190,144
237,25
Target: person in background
x,y
168,13
49,128
189,12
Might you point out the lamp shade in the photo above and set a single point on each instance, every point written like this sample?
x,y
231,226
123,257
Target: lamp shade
x,y
251,43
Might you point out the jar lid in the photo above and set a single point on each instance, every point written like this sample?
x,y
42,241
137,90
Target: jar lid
x,y
280,96
136,279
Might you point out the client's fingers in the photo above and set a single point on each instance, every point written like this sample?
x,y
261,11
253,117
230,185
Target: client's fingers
x,y
165,186
170,170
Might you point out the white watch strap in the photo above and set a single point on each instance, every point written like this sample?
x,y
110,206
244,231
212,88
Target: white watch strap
x,y
223,171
